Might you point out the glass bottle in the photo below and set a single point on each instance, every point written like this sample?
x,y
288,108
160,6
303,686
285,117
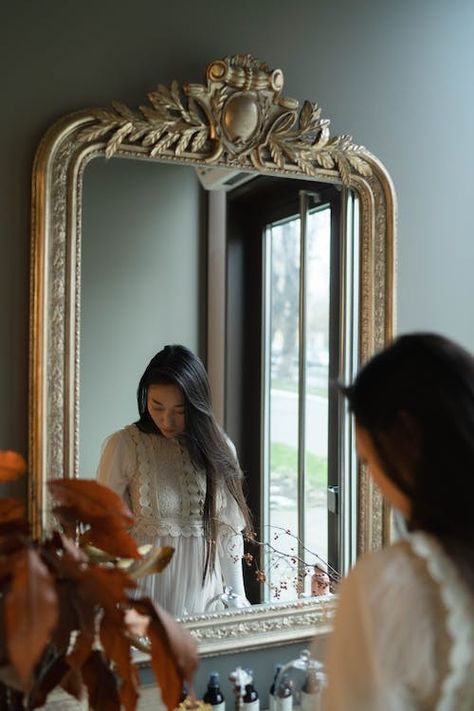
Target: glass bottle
x,y
284,694
272,692
214,695
250,700
312,688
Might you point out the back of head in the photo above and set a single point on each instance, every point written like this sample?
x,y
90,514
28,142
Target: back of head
x,y
419,394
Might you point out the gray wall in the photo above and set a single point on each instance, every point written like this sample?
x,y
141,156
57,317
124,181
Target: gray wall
x,y
142,255
397,75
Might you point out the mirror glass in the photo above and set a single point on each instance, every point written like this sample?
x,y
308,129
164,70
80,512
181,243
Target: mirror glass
x,y
143,285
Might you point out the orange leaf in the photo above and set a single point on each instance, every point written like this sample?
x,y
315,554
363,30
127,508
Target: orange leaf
x,y
11,509
116,646
116,541
173,651
106,587
68,619
90,500
31,612
101,683
12,465
81,650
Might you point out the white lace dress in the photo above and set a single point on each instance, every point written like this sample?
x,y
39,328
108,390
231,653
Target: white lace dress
x,y
166,495
403,637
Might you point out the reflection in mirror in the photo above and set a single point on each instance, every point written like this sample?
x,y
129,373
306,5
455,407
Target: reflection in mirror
x,y
142,287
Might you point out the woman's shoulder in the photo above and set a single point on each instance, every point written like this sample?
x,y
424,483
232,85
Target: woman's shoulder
x,y
124,435
397,572
414,571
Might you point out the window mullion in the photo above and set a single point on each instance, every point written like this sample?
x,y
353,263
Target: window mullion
x,y
303,200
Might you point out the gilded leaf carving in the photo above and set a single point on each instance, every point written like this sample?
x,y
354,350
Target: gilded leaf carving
x,y
239,116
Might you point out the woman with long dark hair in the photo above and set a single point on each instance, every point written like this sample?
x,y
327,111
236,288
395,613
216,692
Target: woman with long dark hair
x,y
180,475
403,637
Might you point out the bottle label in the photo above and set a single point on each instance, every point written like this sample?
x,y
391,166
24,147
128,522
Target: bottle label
x,y
310,702
284,703
251,705
219,707
271,703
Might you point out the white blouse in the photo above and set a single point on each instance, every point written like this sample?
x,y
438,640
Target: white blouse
x,y
166,495
403,637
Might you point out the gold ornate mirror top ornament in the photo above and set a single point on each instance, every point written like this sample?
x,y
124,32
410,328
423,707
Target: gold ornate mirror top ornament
x,y
239,115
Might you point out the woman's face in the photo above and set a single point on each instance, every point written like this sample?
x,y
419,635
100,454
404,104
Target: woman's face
x,y
368,455
166,406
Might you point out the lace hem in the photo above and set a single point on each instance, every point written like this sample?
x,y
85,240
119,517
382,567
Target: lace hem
x,y
174,529
457,601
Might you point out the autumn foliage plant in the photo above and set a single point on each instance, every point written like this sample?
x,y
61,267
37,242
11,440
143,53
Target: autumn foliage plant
x,y
68,616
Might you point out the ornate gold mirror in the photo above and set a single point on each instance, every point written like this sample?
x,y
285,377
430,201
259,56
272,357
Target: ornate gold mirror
x,y
231,131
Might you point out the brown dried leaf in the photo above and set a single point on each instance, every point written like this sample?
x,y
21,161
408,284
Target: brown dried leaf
x,y
111,539
67,519
14,532
81,650
173,651
7,566
3,641
68,545
106,587
12,465
68,619
31,609
11,511
101,683
116,644
90,500
14,540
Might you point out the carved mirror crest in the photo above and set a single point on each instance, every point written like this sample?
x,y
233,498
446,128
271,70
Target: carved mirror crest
x,y
238,119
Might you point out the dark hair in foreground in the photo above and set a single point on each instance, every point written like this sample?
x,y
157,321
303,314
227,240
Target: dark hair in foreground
x,y
208,447
416,401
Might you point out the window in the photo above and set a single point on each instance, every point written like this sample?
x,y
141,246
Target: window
x,y
292,267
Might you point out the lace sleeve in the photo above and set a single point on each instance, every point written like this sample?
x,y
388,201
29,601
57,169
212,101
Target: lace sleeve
x,y
116,463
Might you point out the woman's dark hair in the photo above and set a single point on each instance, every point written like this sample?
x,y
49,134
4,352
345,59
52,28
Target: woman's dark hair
x,y
208,446
417,397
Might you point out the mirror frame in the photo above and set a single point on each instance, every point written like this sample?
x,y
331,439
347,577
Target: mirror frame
x,y
237,119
